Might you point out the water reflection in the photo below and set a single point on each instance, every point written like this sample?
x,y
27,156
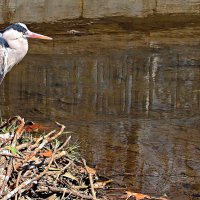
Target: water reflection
x,y
133,102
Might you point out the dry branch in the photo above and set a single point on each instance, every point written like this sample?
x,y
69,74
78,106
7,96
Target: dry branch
x,y
40,163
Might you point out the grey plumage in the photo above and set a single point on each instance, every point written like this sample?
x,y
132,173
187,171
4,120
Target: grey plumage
x,y
3,57
14,46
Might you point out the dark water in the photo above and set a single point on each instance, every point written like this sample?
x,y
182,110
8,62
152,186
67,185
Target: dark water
x,y
132,100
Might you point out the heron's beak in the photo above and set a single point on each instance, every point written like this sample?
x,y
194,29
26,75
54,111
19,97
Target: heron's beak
x,y
30,34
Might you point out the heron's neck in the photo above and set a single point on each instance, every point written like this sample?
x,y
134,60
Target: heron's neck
x,y
16,51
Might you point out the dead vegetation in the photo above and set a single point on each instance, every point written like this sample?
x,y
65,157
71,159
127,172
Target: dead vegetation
x,y
44,168
34,168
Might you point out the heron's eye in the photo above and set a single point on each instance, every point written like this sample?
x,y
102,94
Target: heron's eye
x,y
24,34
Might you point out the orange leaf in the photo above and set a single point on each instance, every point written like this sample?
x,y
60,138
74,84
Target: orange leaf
x,y
90,170
47,153
83,170
34,127
29,156
138,196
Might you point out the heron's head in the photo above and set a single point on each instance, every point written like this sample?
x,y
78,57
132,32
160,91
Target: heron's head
x,y
19,30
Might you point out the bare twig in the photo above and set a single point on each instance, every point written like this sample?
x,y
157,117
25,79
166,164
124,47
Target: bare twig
x,y
45,169
91,180
26,183
9,171
17,183
73,192
47,140
10,166
10,155
65,143
40,139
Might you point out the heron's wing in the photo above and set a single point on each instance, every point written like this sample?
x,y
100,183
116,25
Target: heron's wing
x,y
2,63
3,59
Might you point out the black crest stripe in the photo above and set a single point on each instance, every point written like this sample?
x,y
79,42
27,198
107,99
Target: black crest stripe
x,y
16,27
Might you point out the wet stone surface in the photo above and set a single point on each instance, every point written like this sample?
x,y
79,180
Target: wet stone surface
x,y
132,99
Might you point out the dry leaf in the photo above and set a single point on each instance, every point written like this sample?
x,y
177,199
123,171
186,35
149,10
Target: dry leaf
x,y
83,170
91,170
30,157
69,175
35,127
162,198
138,196
101,184
52,197
47,153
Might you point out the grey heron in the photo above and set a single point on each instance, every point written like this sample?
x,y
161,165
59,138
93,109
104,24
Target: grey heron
x,y
14,46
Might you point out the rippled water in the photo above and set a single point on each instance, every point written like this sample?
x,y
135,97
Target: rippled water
x,y
131,98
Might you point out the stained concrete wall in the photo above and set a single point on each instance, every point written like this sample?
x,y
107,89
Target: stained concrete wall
x,y
53,10
38,10
178,6
103,8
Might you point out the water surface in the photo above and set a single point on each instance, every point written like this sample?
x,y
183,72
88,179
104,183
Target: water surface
x,y
132,99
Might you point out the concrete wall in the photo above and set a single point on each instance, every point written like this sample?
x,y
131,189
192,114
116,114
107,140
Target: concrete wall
x,y
38,10
52,10
178,6
103,8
